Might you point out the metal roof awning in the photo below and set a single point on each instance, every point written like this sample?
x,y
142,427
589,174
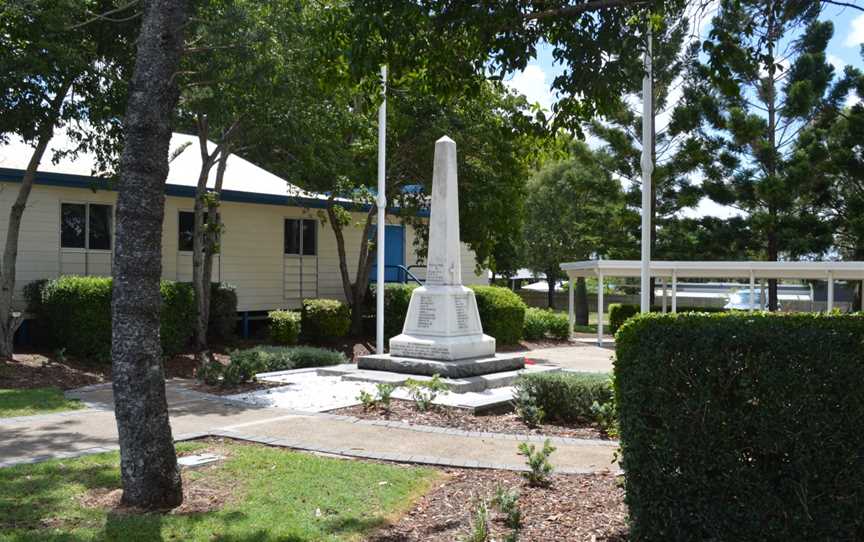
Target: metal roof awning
x,y
708,269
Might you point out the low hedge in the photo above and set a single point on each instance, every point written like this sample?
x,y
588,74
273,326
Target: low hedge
x,y
284,326
542,323
323,320
502,313
621,312
245,364
564,396
742,426
75,314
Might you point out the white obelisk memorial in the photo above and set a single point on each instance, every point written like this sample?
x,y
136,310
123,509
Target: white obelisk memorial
x,y
442,332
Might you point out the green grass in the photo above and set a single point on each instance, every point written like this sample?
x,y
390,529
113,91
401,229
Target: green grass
x,y
275,495
26,402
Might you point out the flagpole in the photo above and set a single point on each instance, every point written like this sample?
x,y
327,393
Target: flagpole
x,y
647,169
382,219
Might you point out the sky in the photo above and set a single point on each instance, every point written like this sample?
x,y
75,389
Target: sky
x,y
844,48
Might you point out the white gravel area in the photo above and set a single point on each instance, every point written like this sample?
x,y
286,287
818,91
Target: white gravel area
x,y
306,391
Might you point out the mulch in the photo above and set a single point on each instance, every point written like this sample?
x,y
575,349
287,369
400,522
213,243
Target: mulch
x,y
573,508
38,370
457,418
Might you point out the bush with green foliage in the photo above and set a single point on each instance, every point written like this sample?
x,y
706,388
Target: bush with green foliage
x,y
75,314
397,297
304,357
223,312
245,364
564,396
543,323
284,326
502,313
526,407
742,426
424,393
539,468
323,320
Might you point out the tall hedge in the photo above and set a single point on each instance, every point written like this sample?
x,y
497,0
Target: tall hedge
x,y
223,311
621,312
323,320
75,314
742,426
502,313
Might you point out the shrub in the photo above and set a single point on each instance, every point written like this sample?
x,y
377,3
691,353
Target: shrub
x,y
526,407
323,320
559,325
742,426
621,312
536,324
246,363
308,356
223,312
564,396
502,313
284,326
539,467
397,297
75,314
424,393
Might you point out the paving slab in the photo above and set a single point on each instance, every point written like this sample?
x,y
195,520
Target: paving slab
x,y
580,357
194,415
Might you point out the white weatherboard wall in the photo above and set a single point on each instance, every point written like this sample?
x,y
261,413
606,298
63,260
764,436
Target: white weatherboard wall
x,y
252,248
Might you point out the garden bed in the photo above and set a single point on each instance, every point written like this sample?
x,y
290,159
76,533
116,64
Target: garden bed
x,y
457,418
583,507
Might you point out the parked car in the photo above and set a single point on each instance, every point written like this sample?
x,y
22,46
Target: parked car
x,y
740,300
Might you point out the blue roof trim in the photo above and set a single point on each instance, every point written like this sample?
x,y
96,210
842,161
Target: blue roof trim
x,y
182,191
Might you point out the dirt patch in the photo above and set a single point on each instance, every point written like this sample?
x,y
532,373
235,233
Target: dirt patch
x,y
584,507
202,490
39,370
457,418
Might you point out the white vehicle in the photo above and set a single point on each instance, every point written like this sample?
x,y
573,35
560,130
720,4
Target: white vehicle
x,y
740,300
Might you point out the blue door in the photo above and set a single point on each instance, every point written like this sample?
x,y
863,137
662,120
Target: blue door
x,y
394,254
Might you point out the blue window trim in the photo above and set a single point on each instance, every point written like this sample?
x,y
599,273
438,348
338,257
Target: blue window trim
x,y
90,183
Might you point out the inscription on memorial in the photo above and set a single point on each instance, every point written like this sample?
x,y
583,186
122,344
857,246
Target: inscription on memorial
x,y
426,313
461,302
419,350
434,272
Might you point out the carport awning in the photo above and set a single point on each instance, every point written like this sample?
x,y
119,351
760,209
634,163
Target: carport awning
x,y
738,270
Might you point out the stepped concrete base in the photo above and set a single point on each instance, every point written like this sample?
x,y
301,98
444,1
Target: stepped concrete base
x,y
446,369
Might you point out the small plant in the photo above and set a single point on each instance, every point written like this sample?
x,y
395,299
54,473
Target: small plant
x,y
539,466
424,393
211,373
507,502
527,408
367,400
606,415
60,355
384,395
479,523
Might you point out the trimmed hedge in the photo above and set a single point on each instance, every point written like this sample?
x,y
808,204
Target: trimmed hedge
x,y
564,396
397,297
742,426
540,323
223,311
75,314
502,313
621,312
284,326
245,364
323,320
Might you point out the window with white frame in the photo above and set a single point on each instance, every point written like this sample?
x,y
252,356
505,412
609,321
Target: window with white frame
x,y
301,237
86,226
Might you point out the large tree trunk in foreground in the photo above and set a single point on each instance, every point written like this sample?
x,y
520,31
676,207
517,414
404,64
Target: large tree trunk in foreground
x,y
148,463
8,322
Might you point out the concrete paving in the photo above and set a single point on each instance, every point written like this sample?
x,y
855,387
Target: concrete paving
x,y
194,415
582,357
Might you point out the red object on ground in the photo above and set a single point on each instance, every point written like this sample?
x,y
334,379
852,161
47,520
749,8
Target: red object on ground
x,y
529,361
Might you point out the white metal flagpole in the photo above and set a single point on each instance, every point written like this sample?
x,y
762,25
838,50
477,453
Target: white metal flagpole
x,y
382,219
647,169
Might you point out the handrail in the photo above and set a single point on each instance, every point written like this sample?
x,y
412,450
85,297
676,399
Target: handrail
x,y
408,273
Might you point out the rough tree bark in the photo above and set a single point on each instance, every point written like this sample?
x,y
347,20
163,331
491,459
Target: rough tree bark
x,y
355,292
580,302
211,244
9,322
148,463
551,278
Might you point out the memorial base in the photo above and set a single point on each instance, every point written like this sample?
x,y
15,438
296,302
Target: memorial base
x,y
442,348
462,368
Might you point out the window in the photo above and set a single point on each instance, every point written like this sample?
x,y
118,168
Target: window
x,y
301,237
85,225
186,233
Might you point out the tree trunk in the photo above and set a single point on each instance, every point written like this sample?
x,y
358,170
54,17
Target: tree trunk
x,y
148,463
9,322
580,302
355,292
211,245
550,292
772,158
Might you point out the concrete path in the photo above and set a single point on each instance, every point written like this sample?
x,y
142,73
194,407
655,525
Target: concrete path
x,y
194,415
580,356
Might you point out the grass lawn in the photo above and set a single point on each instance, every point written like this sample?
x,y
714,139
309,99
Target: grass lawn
x,y
267,494
26,402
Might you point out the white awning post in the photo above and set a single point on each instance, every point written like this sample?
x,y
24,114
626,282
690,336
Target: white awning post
x,y
674,292
761,295
663,283
601,313
647,169
381,200
752,291
571,314
830,292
